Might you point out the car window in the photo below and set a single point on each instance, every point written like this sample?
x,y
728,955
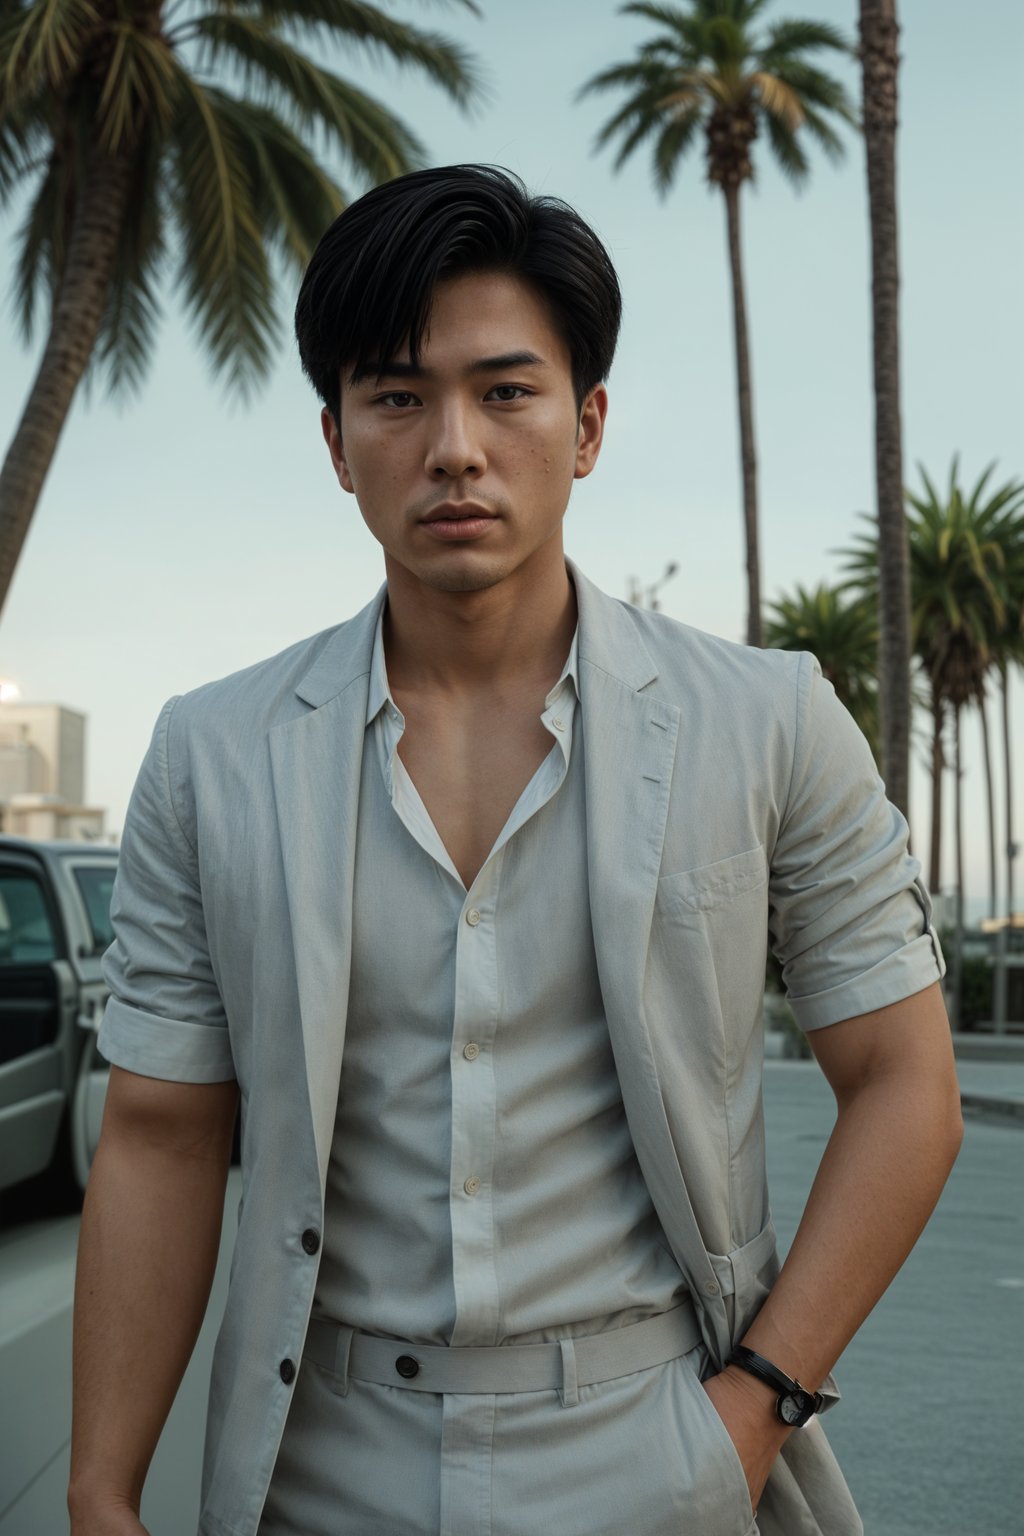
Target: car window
x,y
27,934
96,882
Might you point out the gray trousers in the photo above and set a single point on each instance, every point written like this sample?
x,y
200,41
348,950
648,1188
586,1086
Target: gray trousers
x,y
641,1455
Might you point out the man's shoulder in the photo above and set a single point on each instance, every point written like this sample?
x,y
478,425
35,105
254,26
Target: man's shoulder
x,y
282,686
695,660
262,686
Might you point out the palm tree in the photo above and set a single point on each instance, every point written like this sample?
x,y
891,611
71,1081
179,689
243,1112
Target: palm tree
x,y
843,635
706,72
957,563
1008,645
132,140
879,55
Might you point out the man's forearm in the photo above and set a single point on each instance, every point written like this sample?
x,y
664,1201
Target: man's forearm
x,y
147,1254
890,1153
895,1140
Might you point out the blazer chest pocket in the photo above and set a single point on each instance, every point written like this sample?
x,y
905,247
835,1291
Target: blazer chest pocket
x,y
709,940
713,885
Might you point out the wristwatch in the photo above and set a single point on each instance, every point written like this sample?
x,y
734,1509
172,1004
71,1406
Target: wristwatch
x,y
794,1405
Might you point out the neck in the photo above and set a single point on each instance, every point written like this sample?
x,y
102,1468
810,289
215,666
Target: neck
x,y
513,634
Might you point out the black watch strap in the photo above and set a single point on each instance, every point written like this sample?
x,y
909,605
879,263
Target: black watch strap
x,y
786,1386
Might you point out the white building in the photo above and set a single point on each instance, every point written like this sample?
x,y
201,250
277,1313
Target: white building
x,y
42,774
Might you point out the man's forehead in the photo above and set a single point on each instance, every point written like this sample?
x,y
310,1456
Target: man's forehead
x,y
477,322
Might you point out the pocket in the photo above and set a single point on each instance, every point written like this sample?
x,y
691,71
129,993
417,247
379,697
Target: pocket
x,y
712,885
709,937
727,1454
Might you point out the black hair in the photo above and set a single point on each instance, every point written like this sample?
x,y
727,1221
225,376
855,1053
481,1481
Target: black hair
x,y
370,282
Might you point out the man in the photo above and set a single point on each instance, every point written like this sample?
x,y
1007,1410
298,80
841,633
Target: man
x,y
467,899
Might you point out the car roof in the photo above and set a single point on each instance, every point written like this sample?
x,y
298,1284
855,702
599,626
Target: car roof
x,y
51,847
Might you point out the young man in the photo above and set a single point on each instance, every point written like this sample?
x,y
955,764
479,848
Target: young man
x,y
467,898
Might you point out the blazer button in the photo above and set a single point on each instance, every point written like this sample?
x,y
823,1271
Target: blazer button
x,y
287,1370
406,1366
311,1240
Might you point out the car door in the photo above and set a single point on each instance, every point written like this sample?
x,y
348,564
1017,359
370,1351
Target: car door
x,y
89,878
38,1009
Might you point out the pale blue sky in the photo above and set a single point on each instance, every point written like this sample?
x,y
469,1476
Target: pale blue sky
x,y
183,536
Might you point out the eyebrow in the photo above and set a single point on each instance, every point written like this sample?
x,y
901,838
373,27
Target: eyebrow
x,y
392,369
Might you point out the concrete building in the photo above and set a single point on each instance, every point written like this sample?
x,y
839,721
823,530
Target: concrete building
x,y
42,774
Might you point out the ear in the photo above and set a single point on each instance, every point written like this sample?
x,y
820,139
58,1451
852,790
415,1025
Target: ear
x,y
332,437
591,431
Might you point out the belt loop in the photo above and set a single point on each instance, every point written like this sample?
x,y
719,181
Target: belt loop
x,y
342,1350
568,1391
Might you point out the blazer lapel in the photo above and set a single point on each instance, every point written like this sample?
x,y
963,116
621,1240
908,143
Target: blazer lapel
x,y
316,761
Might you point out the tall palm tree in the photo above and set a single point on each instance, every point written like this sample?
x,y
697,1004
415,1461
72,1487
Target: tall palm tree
x,y
879,32
131,138
843,635
708,72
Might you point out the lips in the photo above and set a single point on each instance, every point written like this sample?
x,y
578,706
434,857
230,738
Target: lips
x,y
456,511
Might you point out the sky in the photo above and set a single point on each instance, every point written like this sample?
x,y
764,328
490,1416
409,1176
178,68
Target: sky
x,y
185,534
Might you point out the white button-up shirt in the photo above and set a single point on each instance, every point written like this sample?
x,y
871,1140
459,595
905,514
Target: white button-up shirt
x,y
483,1186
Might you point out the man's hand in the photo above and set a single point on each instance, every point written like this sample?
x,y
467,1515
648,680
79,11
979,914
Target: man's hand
x,y
746,1407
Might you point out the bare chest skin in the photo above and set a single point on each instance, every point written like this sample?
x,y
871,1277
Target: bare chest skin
x,y
470,770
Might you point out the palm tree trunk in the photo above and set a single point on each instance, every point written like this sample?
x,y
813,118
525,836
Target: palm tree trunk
x,y
958,941
743,386
78,310
879,32
1004,670
990,793
938,767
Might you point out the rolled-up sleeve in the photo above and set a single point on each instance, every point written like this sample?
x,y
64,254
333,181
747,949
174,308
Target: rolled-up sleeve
x,y
849,918
165,1016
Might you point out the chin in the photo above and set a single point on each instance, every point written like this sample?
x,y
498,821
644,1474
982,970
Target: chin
x,y
462,580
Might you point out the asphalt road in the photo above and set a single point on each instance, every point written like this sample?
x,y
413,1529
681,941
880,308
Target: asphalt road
x,y
930,1429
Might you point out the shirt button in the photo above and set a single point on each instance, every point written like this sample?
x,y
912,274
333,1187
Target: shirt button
x,y
472,917
287,1370
559,725
311,1240
472,1185
710,1288
471,1051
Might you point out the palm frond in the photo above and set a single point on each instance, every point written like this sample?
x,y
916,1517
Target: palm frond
x,y
138,84
25,140
41,244
42,44
787,38
295,199
787,151
223,270
674,140
778,99
126,338
376,141
447,63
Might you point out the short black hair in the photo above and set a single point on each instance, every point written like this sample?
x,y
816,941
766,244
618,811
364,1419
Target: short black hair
x,y
370,282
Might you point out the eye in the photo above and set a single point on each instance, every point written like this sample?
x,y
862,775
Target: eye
x,y
517,392
399,398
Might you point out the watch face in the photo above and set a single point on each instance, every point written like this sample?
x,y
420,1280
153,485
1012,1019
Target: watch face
x,y
794,1406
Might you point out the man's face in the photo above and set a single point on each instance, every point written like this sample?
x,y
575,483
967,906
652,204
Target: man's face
x,y
488,418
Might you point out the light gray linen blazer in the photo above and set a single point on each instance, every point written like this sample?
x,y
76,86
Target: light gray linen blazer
x,y
729,796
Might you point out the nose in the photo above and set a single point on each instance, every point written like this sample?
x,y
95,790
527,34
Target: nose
x,y
454,447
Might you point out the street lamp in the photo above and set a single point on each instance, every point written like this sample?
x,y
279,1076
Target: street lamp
x,y
636,592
